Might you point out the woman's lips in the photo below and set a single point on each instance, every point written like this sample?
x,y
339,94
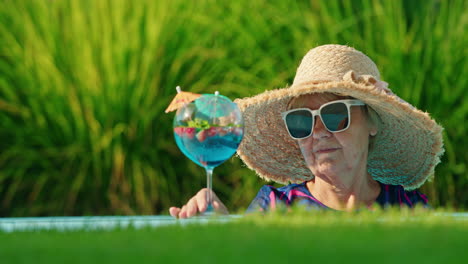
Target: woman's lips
x,y
326,150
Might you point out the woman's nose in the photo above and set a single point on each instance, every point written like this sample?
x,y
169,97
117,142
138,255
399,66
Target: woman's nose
x,y
319,129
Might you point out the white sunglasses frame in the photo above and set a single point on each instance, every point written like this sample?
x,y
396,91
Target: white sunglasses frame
x,y
347,102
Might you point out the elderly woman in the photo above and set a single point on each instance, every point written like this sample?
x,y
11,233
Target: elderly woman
x,y
338,136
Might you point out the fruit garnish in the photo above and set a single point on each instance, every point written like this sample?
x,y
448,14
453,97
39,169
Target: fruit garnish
x,y
202,129
222,131
201,135
237,131
212,131
190,132
179,131
198,123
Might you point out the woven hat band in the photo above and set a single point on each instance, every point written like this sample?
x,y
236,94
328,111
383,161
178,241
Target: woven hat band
x,y
332,62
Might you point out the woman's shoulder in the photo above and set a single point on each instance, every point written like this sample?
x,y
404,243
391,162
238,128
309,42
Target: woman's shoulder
x,y
284,189
397,195
269,196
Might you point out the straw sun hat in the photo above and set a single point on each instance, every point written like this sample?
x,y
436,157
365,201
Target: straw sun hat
x,y
406,148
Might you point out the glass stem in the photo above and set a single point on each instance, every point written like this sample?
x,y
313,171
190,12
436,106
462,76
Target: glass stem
x,y
209,185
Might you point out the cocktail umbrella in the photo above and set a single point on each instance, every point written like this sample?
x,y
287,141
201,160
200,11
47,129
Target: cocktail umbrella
x,y
181,99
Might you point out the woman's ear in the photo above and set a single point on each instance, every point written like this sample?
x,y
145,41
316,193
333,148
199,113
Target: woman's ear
x,y
372,121
373,129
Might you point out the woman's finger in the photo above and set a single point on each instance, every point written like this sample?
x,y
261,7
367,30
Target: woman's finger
x,y
192,207
202,201
174,211
220,207
183,212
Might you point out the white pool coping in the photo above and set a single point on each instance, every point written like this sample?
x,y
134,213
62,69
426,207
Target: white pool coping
x,y
70,223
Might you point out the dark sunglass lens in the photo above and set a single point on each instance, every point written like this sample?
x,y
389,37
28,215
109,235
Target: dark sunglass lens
x,y
299,123
335,116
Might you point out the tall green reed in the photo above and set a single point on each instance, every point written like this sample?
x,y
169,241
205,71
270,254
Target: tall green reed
x,y
84,85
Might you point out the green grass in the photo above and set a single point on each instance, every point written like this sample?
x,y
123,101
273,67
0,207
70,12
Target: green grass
x,y
319,237
84,85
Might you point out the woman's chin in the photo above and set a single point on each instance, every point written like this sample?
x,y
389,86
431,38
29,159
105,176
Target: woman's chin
x,y
326,167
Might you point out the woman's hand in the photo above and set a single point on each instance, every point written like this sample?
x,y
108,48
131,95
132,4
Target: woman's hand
x,y
198,204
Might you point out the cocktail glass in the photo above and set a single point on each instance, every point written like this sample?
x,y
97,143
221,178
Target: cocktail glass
x,y
208,131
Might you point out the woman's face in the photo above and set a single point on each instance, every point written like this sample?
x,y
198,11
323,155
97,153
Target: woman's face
x,y
330,154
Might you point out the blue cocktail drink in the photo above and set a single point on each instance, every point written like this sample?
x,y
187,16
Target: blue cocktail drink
x,y
208,147
208,131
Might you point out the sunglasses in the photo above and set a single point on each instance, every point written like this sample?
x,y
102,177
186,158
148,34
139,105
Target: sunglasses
x,y
335,115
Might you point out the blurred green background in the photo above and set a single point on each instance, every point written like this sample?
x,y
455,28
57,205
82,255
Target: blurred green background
x,y
84,85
